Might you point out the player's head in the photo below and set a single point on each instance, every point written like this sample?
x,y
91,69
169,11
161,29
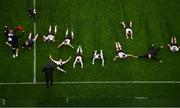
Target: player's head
x,y
11,30
149,56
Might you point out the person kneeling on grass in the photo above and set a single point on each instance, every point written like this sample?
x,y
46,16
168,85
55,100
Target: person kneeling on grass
x,y
51,36
128,30
120,53
79,56
60,63
98,56
29,43
173,47
68,38
152,53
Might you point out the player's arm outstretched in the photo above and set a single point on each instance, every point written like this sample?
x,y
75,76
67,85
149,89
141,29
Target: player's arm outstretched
x,y
64,62
56,62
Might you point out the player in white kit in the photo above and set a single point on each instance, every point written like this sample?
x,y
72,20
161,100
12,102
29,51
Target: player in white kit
x,y
98,56
173,47
128,30
68,39
51,36
120,53
79,57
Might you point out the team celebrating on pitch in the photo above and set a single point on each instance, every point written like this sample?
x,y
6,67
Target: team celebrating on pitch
x,y
13,41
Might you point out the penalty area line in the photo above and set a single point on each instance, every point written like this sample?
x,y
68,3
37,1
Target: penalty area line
x,y
96,82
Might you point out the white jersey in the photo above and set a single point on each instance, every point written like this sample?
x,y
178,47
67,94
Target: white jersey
x,y
174,48
128,30
51,37
122,55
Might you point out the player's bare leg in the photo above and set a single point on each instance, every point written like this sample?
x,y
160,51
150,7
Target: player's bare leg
x,y
17,50
60,69
66,32
175,41
172,40
63,43
50,29
35,38
124,25
130,24
130,55
71,46
72,34
102,58
30,35
55,29
95,52
81,64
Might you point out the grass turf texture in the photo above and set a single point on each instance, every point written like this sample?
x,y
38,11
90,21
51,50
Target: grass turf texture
x,y
96,25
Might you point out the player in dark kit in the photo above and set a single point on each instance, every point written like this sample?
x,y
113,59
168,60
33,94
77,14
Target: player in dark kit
x,y
152,53
32,13
30,41
15,44
48,72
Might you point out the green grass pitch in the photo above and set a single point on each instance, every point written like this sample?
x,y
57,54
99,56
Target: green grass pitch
x,y
96,25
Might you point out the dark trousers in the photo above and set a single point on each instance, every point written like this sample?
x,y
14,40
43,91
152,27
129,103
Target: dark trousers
x,y
49,80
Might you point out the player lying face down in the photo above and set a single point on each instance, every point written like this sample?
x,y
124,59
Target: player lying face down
x,y
173,47
152,53
98,56
68,39
79,57
60,63
30,41
51,35
120,53
128,30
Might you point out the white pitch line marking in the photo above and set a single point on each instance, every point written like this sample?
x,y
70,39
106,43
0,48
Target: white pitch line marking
x,y
34,78
97,82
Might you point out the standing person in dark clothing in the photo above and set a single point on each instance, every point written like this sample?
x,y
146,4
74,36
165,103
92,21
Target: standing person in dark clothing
x,y
152,53
48,72
32,13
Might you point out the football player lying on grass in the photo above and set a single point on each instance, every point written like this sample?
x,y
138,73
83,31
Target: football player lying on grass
x,y
128,30
30,41
98,56
79,57
68,38
120,53
60,63
51,36
173,47
152,53
32,13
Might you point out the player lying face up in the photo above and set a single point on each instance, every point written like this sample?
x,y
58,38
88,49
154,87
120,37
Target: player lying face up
x,y
79,57
51,35
173,47
152,53
98,56
68,39
30,41
128,30
60,63
120,53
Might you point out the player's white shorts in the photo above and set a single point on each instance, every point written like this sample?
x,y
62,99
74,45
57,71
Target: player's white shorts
x,y
122,55
67,41
174,48
128,30
50,37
